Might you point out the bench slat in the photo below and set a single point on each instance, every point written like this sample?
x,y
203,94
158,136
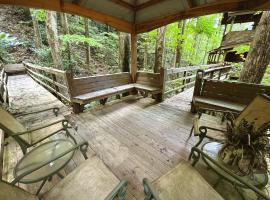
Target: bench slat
x,y
216,103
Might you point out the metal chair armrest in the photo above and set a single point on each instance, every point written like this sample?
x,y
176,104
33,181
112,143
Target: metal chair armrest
x,y
196,153
149,191
64,122
119,191
55,111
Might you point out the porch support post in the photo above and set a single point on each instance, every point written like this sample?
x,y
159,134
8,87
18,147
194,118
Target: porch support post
x,y
134,67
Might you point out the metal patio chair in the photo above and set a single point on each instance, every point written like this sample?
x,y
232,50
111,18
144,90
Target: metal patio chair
x,y
91,180
29,137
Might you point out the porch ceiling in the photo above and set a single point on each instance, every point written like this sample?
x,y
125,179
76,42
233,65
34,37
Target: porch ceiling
x,y
136,16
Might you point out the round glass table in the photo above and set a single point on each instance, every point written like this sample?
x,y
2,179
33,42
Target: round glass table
x,y
41,154
258,178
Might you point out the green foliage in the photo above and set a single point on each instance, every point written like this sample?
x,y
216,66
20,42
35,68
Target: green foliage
x,y
241,49
39,14
44,56
74,38
6,43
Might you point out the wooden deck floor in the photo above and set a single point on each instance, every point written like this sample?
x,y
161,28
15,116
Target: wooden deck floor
x,y
135,137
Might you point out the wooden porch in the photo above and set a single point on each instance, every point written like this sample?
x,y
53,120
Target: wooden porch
x,y
135,137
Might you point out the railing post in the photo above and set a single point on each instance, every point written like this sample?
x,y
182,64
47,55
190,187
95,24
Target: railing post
x,y
163,77
77,108
219,74
184,80
211,74
55,86
197,87
69,82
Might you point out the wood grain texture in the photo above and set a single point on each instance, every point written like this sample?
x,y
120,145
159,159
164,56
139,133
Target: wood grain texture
x,y
184,183
135,138
92,180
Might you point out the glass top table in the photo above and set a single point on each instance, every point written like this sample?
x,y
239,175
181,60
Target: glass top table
x,y
258,179
41,154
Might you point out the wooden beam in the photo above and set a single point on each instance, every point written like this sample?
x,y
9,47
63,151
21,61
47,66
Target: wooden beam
x,y
119,24
214,7
124,4
190,3
134,67
78,2
148,4
60,6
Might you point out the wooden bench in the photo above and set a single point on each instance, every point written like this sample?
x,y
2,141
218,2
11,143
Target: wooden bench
x,y
88,89
152,83
224,95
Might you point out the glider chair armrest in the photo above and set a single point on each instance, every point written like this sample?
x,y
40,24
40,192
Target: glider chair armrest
x,y
75,147
55,110
65,125
202,130
149,191
228,115
119,191
201,110
195,155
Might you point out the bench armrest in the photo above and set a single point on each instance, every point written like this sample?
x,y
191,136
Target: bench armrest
x,y
119,191
196,153
149,191
201,110
203,129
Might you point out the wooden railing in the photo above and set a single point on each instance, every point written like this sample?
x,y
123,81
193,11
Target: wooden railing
x,y
62,84
178,79
56,81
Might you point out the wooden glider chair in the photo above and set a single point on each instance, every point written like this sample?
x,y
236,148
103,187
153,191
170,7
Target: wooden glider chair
x,y
181,183
91,180
29,137
256,113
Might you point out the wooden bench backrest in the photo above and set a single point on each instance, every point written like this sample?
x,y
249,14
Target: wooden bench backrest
x,y
237,92
95,83
150,79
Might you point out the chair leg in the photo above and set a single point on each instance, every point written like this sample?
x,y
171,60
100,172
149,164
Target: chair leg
x,y
201,136
41,186
103,101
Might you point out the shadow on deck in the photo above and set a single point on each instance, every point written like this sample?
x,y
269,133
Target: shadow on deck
x,y
135,137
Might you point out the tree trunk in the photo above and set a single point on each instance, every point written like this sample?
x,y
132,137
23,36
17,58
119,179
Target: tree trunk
x,y
259,54
65,31
178,56
145,56
159,53
205,51
52,35
37,36
87,47
124,51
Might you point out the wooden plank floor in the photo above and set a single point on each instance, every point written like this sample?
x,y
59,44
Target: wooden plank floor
x,y
135,137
